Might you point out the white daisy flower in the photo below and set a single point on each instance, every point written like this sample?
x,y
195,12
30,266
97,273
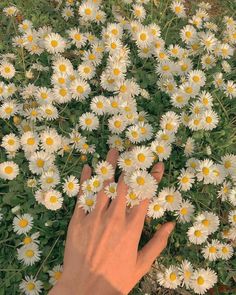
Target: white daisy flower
x,y
53,200
202,280
232,217
54,43
88,121
205,171
208,220
188,34
30,286
9,170
117,124
22,223
161,149
50,140
96,183
170,122
55,274
186,180
115,141
155,209
211,250
31,239
178,8
40,161
80,89
170,278
197,234
77,37
7,70
142,183
71,186
99,105
185,211
186,272
170,198
111,190
226,251
230,89
10,142
8,109
29,254
104,170
87,202
197,77
126,162
132,198
29,141
210,120
49,180
142,157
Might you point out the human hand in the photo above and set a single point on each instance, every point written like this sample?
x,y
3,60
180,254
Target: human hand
x,y
101,253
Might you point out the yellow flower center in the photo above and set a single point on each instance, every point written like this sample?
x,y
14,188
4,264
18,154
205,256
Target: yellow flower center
x,y
170,199
30,286
40,163
8,170
200,280
54,43
49,141
27,240
173,276
156,207
141,157
53,199
212,249
185,179
183,211
198,233
23,223
140,180
89,202
88,121
205,170
80,89
29,253
160,149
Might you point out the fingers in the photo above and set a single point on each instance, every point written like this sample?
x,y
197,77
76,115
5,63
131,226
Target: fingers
x,y
102,199
153,248
85,175
140,210
118,205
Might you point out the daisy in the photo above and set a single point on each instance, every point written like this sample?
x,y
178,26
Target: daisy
x,y
206,99
210,120
80,89
88,121
87,10
117,124
184,66
99,105
230,89
189,146
185,272
205,171
77,37
190,89
22,223
29,254
208,61
40,161
142,157
96,183
197,77
10,142
186,180
170,198
67,13
7,70
209,221
105,170
8,109
139,12
63,65
225,190
50,140
161,149
30,286
179,99
115,141
188,34
155,209
142,183
8,170
126,162
219,174
49,112
133,133
55,274
226,251
71,186
208,40
111,190
170,278
170,122
31,239
211,250
132,199
232,196
202,280
229,163
87,202
197,234
49,179
53,200
44,95
232,217
178,8
86,70
185,211
54,43
195,122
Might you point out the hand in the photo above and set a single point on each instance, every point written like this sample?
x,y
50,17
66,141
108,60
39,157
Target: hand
x,y
101,253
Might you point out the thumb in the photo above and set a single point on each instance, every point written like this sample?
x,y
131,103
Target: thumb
x,y
153,248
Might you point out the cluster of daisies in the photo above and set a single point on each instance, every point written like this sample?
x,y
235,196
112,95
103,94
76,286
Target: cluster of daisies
x,y
98,79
